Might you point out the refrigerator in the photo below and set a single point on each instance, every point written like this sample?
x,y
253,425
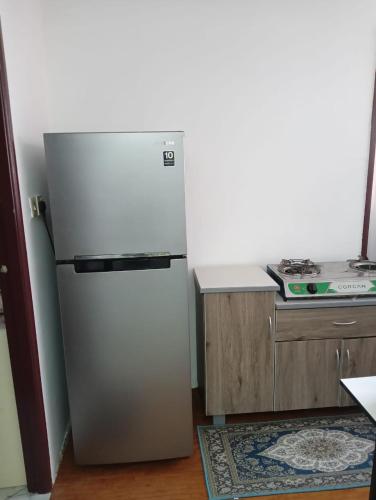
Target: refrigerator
x,y
118,217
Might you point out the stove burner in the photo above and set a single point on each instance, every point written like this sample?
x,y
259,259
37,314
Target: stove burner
x,y
298,267
363,266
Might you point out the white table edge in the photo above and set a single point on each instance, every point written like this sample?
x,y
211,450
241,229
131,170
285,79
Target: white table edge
x,y
363,390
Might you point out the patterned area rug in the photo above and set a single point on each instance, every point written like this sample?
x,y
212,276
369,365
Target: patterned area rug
x,y
288,456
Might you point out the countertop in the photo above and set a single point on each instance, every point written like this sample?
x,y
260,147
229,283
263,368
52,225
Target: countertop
x,y
234,278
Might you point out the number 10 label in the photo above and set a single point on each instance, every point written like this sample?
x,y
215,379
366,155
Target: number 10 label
x,y
169,158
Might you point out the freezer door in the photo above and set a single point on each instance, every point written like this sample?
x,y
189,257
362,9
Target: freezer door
x,y
116,193
127,358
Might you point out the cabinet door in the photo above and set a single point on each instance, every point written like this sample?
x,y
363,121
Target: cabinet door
x,y
307,374
239,352
358,360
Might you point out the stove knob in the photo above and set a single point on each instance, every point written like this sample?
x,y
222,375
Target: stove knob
x,y
312,288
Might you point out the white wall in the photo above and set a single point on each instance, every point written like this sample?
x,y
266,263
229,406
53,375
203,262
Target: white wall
x,y
12,470
24,52
274,97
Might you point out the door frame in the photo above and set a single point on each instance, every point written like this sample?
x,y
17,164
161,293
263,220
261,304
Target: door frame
x,y
371,165
18,306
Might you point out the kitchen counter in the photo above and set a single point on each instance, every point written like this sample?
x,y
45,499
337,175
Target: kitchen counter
x,y
234,278
318,303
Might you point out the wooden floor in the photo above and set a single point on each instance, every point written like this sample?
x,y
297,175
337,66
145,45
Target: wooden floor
x,y
180,479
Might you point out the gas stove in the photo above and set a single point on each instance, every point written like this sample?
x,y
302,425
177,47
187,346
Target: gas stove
x,y
302,278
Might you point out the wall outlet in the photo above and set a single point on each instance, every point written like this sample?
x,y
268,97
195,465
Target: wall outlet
x,y
34,205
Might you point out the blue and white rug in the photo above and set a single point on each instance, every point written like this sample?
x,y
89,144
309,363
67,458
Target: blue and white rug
x,y
288,456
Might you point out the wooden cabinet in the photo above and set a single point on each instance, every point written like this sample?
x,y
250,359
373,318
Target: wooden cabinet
x,y
307,374
317,347
237,351
358,360
255,354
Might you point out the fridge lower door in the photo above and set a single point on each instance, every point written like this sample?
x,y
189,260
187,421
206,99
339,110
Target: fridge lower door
x,y
128,368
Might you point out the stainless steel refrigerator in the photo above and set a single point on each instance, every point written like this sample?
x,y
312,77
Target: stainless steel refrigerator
x,y
118,215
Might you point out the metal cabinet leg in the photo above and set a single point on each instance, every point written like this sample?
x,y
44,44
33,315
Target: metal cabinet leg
x,y
219,419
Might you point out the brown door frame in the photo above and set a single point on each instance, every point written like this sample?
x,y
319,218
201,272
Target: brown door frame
x,y
371,165
18,306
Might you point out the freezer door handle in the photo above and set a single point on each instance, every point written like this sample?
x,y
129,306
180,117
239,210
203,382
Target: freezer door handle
x,y
121,256
121,263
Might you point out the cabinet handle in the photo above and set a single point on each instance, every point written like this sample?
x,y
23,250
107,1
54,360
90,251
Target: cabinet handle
x,y
348,355
344,323
339,388
270,326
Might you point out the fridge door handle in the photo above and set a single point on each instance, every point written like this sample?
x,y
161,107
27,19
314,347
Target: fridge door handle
x,y
122,256
122,263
